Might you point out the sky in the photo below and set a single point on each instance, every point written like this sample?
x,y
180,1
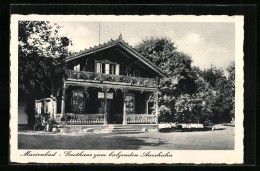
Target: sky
x,y
206,42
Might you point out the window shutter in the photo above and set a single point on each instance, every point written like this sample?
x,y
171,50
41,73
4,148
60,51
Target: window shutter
x,y
117,69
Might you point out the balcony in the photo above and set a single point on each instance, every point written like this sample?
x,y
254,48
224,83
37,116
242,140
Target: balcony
x,y
102,78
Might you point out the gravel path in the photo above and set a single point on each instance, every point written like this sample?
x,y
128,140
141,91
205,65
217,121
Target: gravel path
x,y
220,139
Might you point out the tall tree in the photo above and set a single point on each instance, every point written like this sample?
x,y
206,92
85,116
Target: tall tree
x,y
221,102
231,79
177,65
41,54
231,72
189,94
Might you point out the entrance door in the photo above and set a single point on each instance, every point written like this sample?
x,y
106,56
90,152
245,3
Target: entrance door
x,y
115,108
112,118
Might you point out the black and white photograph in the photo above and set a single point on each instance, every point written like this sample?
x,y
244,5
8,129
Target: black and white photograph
x,y
126,89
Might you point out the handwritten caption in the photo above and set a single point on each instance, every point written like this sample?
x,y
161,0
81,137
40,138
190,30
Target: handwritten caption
x,y
112,154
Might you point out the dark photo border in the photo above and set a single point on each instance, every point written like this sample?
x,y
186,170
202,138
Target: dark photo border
x,y
250,50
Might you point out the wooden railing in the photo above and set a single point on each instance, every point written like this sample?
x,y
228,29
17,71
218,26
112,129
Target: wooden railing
x,y
144,82
84,119
58,118
141,119
98,119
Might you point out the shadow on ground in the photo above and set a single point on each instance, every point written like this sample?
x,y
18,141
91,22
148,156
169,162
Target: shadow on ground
x,y
222,138
167,130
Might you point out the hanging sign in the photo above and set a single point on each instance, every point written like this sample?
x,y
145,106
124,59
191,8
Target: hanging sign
x,y
102,96
109,95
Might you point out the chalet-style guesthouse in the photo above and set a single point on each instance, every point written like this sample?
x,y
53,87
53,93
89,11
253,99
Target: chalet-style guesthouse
x,y
110,84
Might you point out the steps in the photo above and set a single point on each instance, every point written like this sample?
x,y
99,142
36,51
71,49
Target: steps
x,y
102,129
120,129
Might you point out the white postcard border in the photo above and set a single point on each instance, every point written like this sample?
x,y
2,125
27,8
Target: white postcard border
x,y
178,156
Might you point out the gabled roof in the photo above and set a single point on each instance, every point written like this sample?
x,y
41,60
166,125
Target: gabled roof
x,y
120,43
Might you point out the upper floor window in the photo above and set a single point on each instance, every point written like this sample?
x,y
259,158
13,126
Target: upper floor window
x,y
77,67
107,68
117,69
98,67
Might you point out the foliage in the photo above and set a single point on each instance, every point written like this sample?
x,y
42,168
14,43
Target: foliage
x,y
188,108
221,101
231,79
41,53
177,65
189,94
231,71
156,49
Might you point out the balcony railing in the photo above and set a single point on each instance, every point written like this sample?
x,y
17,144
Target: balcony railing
x,y
141,119
144,82
84,119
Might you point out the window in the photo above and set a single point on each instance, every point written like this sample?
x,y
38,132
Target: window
x,y
107,68
77,67
98,69
117,69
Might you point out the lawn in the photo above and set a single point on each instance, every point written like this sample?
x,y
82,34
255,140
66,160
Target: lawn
x,y
220,139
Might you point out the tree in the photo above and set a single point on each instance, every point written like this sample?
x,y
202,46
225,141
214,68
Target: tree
x,y
188,108
41,55
157,50
231,71
177,65
220,96
41,59
189,94
231,79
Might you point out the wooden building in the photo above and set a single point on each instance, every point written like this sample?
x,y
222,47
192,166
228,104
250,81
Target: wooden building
x,y
110,84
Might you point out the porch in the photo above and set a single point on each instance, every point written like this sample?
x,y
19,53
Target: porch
x,y
85,103
99,119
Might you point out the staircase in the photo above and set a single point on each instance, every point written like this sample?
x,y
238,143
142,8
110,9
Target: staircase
x,y
113,128
120,129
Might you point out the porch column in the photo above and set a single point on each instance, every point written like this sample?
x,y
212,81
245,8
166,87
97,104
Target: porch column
x,y
105,105
63,99
146,104
124,108
156,106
